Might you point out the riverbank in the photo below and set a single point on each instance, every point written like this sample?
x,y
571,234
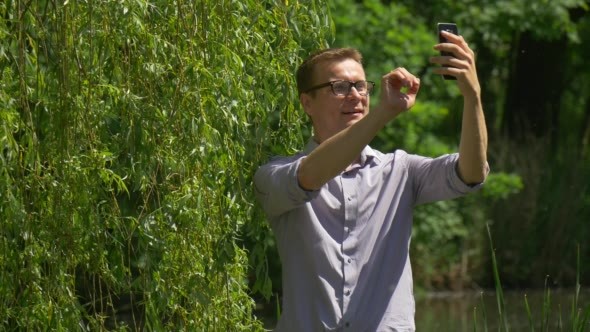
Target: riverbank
x,y
469,311
476,310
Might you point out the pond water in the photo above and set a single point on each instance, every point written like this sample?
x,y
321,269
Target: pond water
x,y
465,311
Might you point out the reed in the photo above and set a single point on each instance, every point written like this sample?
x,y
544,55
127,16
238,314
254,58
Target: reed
x,y
578,317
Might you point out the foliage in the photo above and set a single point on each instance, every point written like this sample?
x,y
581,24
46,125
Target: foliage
x,y
129,133
538,137
502,185
390,36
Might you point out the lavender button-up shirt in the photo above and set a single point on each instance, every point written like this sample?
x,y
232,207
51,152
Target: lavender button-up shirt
x,y
345,247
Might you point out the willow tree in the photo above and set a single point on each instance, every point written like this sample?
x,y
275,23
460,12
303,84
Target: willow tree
x,y
129,132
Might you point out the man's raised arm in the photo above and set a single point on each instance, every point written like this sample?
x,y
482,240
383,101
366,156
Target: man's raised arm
x,y
473,167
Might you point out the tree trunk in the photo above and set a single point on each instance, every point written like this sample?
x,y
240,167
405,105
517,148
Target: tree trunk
x,y
534,88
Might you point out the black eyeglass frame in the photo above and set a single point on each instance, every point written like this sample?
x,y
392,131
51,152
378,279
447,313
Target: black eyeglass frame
x,y
370,87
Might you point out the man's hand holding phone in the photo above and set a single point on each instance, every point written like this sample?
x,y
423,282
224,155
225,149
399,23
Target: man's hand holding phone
x,y
457,60
451,28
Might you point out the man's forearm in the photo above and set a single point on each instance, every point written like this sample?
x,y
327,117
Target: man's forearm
x,y
332,156
474,143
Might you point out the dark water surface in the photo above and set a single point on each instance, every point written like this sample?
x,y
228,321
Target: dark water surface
x,y
465,311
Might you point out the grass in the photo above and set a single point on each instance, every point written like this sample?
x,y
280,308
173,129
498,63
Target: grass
x,y
579,319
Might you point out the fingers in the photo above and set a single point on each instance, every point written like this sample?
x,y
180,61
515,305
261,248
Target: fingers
x,y
456,50
401,78
460,65
400,89
457,40
452,66
457,46
452,62
462,58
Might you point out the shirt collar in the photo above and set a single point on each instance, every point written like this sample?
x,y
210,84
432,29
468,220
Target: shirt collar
x,y
367,154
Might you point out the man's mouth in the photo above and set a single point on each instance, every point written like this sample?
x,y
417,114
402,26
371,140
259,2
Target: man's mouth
x,y
353,112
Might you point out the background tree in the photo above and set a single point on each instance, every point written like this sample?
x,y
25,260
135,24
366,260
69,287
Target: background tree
x,y
535,90
129,133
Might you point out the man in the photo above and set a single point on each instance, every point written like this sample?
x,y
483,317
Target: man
x,y
342,212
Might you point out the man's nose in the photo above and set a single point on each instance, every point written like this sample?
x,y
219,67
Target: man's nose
x,y
354,93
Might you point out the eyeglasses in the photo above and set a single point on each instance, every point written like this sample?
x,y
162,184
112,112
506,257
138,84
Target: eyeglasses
x,y
342,88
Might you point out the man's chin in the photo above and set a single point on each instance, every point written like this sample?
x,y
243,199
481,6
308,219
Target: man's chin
x,y
354,117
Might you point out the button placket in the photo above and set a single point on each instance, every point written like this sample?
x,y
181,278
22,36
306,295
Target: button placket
x,y
349,242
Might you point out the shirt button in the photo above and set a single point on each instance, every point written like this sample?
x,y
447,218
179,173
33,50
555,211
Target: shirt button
x,y
349,260
347,292
347,324
349,198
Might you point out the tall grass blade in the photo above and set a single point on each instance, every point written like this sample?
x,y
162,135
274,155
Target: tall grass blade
x,y
474,319
485,318
498,285
278,313
559,320
546,306
585,320
529,315
575,318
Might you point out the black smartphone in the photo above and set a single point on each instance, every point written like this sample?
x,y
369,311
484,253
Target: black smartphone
x,y
452,28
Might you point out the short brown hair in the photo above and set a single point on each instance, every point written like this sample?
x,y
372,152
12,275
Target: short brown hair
x,y
306,69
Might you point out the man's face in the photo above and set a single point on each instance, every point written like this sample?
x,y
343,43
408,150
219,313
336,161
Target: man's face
x,y
330,113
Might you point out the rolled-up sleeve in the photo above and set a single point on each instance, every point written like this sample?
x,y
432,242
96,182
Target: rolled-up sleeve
x,y
437,179
277,188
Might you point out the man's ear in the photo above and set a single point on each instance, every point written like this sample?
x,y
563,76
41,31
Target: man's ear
x,y
305,100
